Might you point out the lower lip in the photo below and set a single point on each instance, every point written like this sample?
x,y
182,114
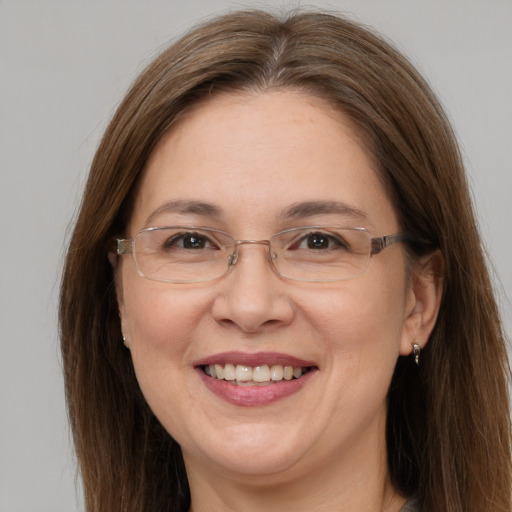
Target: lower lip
x,y
246,396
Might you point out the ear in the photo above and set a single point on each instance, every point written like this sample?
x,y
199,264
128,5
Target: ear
x,y
423,301
118,282
112,258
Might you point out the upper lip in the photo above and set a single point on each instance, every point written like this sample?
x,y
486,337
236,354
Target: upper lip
x,y
254,359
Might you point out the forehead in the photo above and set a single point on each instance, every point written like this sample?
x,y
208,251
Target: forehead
x,y
253,155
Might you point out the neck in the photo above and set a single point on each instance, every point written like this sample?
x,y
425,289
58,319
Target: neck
x,y
321,496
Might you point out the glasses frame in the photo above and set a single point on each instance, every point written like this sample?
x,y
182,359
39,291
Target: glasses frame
x,y
125,246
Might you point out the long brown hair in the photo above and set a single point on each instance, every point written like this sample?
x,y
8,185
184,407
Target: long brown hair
x,y
448,432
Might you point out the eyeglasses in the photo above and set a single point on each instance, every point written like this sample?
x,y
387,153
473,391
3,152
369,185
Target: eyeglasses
x,y
190,254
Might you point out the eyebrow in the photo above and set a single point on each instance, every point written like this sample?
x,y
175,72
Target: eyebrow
x,y
186,207
295,211
311,208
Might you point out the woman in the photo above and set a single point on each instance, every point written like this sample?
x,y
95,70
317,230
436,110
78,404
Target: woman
x,y
275,296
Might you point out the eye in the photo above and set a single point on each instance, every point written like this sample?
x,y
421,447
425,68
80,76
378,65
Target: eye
x,y
319,241
190,241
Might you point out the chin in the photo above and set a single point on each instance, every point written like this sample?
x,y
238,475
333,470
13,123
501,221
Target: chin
x,y
255,452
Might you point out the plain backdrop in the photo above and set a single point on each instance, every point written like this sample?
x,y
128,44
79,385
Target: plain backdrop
x,y
64,66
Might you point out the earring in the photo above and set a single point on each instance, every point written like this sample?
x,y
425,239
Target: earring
x,y
124,341
416,353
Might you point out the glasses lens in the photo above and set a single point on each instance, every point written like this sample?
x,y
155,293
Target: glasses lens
x,y
182,254
321,253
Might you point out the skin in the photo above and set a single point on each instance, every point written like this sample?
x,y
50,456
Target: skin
x,y
323,448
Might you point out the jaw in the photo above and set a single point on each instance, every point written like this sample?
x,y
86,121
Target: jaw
x,y
262,481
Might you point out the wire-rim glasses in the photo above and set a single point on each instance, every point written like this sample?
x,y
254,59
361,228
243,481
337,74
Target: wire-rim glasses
x,y
190,254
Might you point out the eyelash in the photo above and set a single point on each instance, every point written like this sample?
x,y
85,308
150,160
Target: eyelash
x,y
181,237
330,238
179,241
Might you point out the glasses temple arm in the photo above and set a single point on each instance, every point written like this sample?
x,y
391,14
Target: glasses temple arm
x,y
379,244
124,246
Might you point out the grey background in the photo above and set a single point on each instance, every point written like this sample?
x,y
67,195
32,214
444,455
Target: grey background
x,y
64,66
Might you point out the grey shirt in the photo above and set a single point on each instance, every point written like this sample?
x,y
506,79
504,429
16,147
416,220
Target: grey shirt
x,y
412,505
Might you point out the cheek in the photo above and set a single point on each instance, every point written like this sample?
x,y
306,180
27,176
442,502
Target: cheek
x,y
161,325
159,322
360,324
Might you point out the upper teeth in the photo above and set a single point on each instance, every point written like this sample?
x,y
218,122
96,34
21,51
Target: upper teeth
x,y
263,373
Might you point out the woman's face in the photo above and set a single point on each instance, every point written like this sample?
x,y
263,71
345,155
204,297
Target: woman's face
x,y
253,161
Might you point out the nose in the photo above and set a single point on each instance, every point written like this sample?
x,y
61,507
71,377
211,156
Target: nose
x,y
252,297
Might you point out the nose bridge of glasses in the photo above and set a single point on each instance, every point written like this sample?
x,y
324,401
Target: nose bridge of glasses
x,y
234,257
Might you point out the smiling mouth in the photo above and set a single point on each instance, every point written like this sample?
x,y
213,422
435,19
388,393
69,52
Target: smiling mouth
x,y
263,375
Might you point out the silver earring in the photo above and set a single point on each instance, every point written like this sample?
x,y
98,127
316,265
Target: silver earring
x,y
416,353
